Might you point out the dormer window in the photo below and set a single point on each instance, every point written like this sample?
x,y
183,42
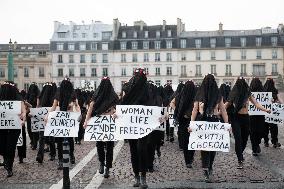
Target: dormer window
x,y
135,34
158,34
169,33
61,34
213,42
146,34
123,34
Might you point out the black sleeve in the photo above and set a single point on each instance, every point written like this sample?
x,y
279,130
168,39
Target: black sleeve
x,y
19,97
57,93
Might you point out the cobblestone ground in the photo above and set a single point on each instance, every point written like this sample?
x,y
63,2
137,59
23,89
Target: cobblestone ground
x,y
264,171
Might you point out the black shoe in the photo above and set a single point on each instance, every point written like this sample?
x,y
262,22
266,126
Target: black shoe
x,y
33,147
79,143
240,165
143,184
2,164
101,171
137,181
206,175
46,150
277,145
21,160
9,171
172,139
39,159
254,153
159,153
106,175
189,165
258,150
72,159
151,169
168,138
266,144
60,165
52,158
162,142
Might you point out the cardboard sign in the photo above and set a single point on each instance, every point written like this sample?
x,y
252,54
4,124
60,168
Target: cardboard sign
x,y
37,119
100,128
20,141
136,121
209,136
263,98
62,124
9,115
277,114
162,126
171,117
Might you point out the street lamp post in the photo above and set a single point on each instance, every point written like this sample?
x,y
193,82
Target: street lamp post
x,y
11,61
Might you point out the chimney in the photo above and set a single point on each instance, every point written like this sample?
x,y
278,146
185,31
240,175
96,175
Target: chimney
x,y
220,28
164,25
179,26
56,25
183,27
141,25
116,25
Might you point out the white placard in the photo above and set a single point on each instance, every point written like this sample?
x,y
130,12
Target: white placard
x,y
20,139
263,98
9,115
100,128
37,119
272,119
277,114
209,136
162,126
62,124
136,121
171,117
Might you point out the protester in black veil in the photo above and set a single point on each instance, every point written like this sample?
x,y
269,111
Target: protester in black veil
x,y
81,100
225,91
269,86
65,98
103,103
137,94
168,91
210,105
46,100
183,107
256,121
239,97
33,99
9,137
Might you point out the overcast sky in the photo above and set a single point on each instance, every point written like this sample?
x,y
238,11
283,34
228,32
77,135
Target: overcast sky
x,y
31,21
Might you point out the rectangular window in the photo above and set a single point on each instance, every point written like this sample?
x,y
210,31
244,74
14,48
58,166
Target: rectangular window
x,y
82,72
183,57
26,72
60,46
198,70
123,57
84,35
274,69
105,58
169,44
106,35
123,71
105,72
135,34
169,70
158,34
71,58
146,34
123,45
169,33
71,72
243,54
82,46
157,44
146,71
75,35
243,69
227,42
146,57
243,41
258,70
134,45
158,71
198,55
94,58
61,34
213,56
134,57
213,69
274,41
198,43
258,41
169,57
71,46
157,57
2,72
183,71
158,83
60,72
94,46
228,55
123,34
228,70
258,54
82,58
105,46
41,71
145,44
95,35
274,54
94,72
212,42
183,43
